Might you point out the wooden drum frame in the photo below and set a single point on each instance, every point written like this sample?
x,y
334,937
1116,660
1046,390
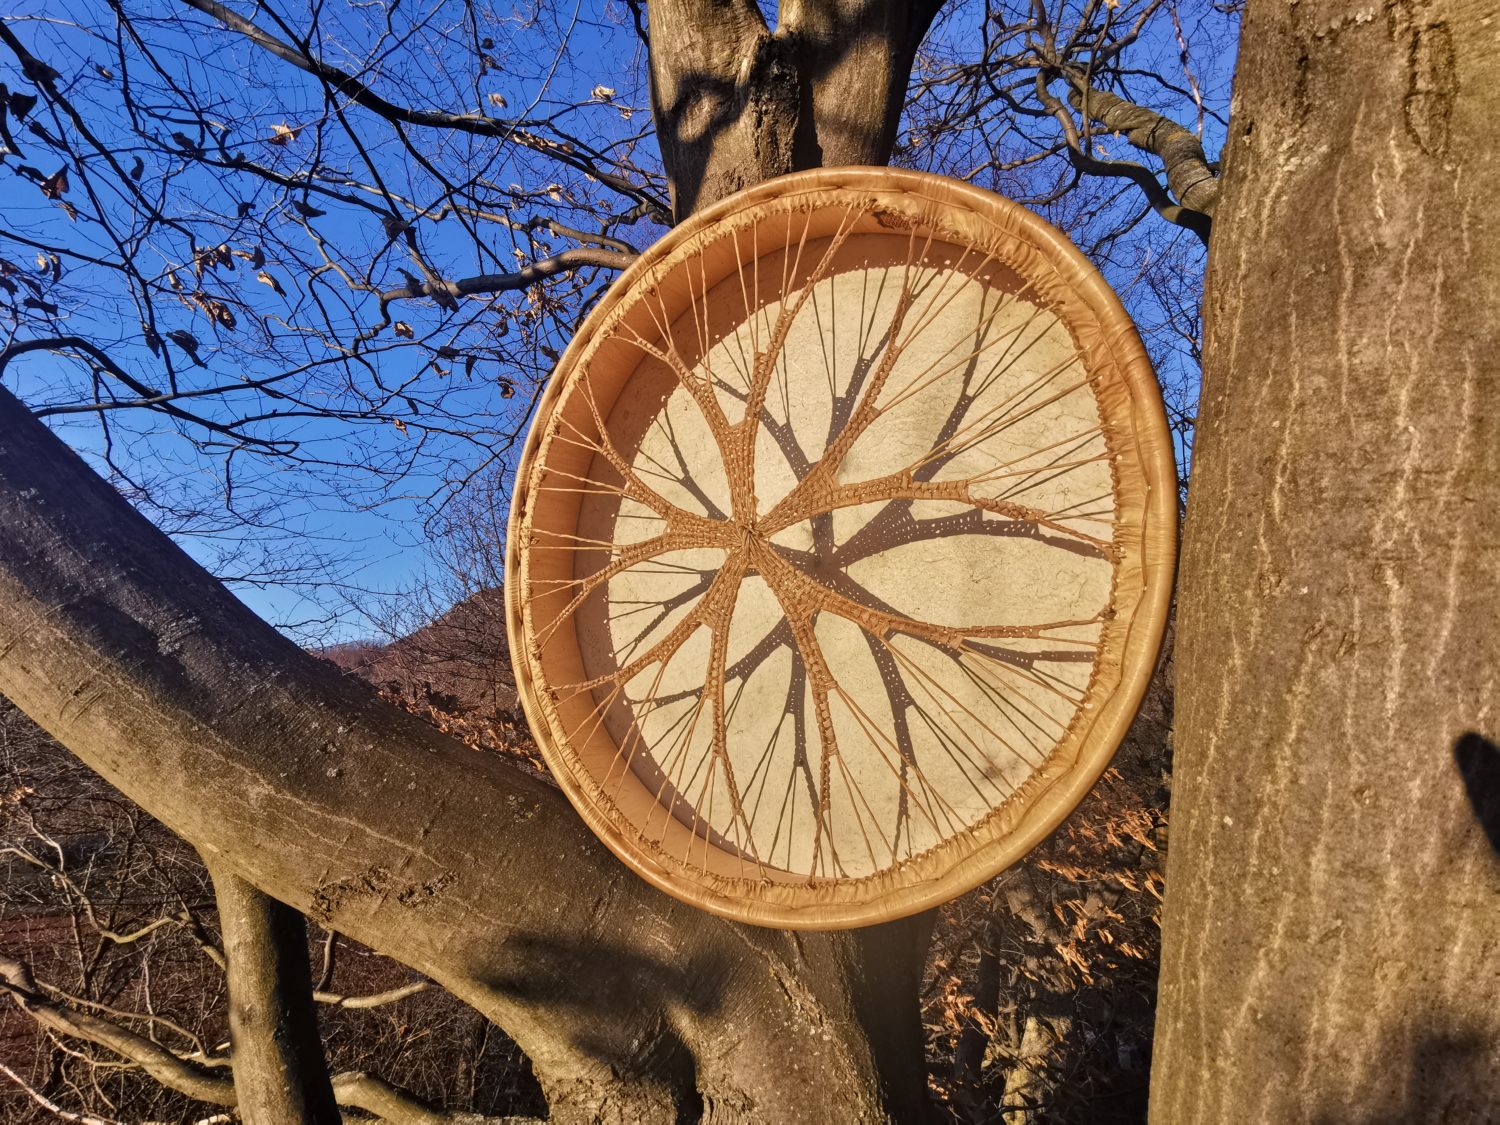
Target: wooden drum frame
x,y
841,548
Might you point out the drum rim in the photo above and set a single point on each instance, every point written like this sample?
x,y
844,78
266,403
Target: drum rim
x,y
966,859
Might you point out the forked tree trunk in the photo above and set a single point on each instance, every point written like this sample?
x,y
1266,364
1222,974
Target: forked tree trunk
x,y
737,102
1332,926
632,1007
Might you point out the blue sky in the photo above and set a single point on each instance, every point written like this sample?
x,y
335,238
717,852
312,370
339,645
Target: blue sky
x,y
427,419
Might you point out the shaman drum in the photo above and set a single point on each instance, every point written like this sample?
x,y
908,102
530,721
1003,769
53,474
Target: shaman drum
x,y
841,547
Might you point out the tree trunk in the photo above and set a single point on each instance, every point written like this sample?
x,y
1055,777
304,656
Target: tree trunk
x,y
280,1075
737,103
1332,930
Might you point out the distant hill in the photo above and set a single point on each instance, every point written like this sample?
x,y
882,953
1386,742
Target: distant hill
x,y
459,663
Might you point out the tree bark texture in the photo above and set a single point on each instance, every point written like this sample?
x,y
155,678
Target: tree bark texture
x,y
280,1075
737,103
631,1006
1332,924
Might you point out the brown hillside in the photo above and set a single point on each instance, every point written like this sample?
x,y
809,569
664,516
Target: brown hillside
x,y
458,663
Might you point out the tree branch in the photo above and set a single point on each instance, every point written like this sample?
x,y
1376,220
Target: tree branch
x,y
374,1095
357,92
51,1106
1161,202
167,1068
375,1000
149,396
223,1086
347,84
501,282
1191,181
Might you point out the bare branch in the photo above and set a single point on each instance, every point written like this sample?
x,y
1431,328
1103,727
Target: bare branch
x,y
374,1000
500,282
347,84
1138,174
1190,179
373,1095
166,1067
353,1089
149,396
51,1106
354,89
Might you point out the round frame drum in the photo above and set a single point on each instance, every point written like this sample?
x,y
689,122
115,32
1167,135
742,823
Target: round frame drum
x,y
841,547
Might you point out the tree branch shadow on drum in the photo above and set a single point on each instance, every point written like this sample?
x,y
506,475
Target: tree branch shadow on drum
x,y
892,526
664,759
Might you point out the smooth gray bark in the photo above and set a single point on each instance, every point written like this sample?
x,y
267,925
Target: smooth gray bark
x,y
280,1075
737,102
1331,947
